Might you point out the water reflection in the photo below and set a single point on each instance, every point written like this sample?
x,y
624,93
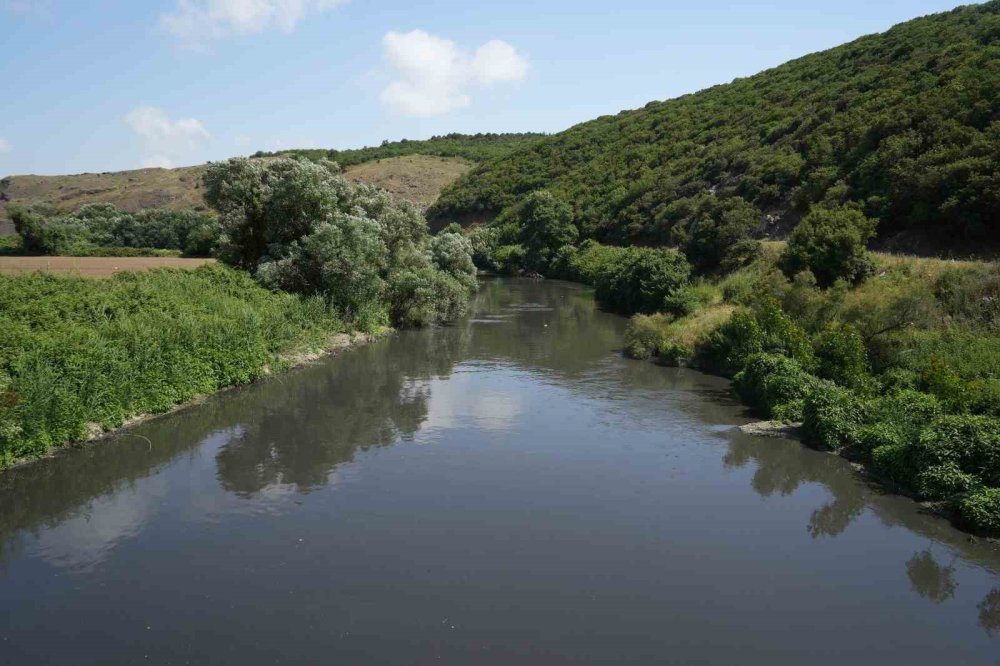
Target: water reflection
x,y
292,435
931,580
989,613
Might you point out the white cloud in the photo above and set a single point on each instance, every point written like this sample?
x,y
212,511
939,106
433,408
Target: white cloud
x,y
196,22
5,146
162,138
243,141
433,76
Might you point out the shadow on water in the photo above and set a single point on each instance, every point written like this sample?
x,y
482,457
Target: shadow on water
x,y
293,431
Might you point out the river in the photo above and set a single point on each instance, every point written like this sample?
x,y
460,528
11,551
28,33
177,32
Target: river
x,y
506,490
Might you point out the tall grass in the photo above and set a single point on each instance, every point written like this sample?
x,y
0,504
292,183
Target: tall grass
x,y
78,356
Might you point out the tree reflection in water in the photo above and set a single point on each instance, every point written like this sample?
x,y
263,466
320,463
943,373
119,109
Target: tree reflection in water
x,y
932,581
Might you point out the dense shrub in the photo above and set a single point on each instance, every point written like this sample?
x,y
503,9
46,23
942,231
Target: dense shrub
x,y
300,226
452,254
980,511
830,243
831,416
75,352
713,233
972,443
545,224
642,280
748,332
103,230
645,335
842,358
768,382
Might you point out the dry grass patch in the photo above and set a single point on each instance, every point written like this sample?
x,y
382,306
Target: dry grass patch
x,y
93,267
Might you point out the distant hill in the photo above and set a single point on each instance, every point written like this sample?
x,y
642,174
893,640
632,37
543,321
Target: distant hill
x,y
413,170
473,147
416,178
906,124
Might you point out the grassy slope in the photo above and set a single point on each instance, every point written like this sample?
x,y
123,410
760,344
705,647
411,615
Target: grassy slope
x,y
905,123
416,178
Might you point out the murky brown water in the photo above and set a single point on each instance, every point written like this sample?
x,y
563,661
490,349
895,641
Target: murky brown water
x,y
508,490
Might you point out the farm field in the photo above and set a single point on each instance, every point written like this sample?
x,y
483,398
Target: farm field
x,y
93,267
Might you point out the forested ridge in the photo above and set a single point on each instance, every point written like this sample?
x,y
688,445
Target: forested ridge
x,y
473,147
903,124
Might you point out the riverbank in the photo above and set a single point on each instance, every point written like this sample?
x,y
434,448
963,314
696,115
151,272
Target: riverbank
x,y
900,374
81,357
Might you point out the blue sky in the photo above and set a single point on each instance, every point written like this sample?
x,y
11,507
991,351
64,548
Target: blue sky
x,y
118,84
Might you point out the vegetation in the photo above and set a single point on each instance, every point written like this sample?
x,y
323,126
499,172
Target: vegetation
x,y
474,147
899,372
103,230
79,356
318,255
901,126
300,226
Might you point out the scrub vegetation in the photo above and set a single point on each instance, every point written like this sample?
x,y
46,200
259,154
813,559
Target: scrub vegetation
x,y
309,255
891,361
901,126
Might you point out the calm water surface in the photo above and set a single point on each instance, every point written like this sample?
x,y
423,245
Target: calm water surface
x,y
507,490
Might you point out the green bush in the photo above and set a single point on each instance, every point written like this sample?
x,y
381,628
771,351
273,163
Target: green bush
x,y
545,224
673,353
972,443
642,281
770,382
301,226
841,357
509,259
645,335
101,229
831,243
76,352
943,481
765,329
980,511
832,416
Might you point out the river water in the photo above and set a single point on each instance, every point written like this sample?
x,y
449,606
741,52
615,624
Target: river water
x,y
506,490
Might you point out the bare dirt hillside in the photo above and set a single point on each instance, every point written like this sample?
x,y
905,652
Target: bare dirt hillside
x,y
418,178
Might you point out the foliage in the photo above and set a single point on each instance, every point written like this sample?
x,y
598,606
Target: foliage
x,y
768,382
980,511
642,281
831,244
75,352
104,230
713,233
901,124
831,416
764,329
475,147
644,336
300,226
842,358
545,224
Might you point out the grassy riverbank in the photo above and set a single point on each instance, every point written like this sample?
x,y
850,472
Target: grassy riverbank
x,y
899,373
80,356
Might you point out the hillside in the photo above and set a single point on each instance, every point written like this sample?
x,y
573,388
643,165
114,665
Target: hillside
x,y
905,124
473,147
416,178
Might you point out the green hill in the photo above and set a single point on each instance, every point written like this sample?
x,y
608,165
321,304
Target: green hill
x,y
411,170
905,123
473,147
